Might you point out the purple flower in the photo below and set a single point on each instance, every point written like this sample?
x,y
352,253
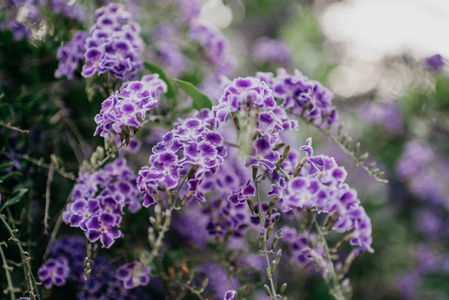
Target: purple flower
x,y
190,150
114,44
263,154
70,55
269,51
128,107
54,272
301,96
215,47
229,295
98,200
133,274
434,63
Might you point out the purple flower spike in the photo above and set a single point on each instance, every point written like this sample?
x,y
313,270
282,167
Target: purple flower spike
x,y
133,274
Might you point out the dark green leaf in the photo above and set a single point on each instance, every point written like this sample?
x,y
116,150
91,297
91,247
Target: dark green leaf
x,y
200,100
15,197
155,69
6,166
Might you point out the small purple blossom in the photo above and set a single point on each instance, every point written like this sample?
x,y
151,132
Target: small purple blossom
x,y
54,272
229,295
269,51
133,274
434,63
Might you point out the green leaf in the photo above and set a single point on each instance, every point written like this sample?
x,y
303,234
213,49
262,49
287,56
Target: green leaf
x,y
15,197
155,69
6,166
200,100
10,175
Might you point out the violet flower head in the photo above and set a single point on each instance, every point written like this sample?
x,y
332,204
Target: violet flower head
x,y
114,44
54,272
133,274
70,54
269,51
301,96
98,200
128,107
434,63
215,47
243,93
320,185
191,147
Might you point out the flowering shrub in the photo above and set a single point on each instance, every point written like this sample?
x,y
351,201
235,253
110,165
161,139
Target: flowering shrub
x,y
170,177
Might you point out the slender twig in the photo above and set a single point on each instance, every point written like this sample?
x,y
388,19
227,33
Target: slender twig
x,y
9,126
40,163
8,275
54,233
264,249
51,172
25,260
232,144
336,289
346,150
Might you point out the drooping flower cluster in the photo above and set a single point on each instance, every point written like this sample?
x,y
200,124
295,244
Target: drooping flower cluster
x,y
188,152
128,107
320,185
70,55
114,44
98,200
303,97
133,274
65,262
269,51
215,47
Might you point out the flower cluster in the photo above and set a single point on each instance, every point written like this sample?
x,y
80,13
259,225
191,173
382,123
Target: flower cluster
x,y
301,96
54,272
104,284
269,51
70,55
305,249
320,185
128,106
98,200
425,172
114,44
215,47
65,262
188,152
133,274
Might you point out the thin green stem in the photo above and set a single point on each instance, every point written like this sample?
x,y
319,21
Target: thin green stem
x,y
346,150
25,260
264,246
8,275
336,289
40,163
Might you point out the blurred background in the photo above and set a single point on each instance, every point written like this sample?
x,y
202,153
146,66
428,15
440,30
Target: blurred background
x,y
385,62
